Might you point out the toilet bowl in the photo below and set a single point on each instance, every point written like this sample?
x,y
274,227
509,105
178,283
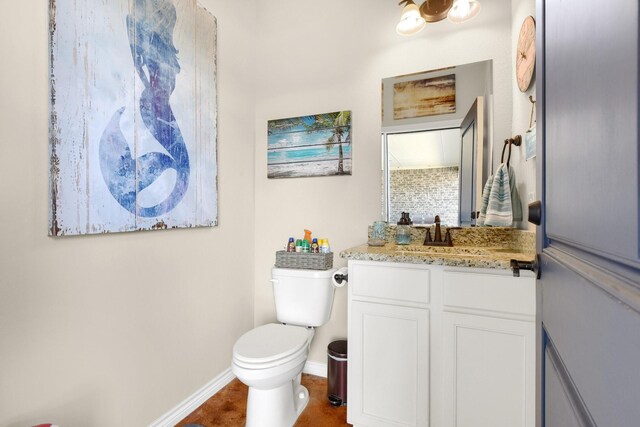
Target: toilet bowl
x,y
269,359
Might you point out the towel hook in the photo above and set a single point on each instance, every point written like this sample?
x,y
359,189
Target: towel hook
x,y
516,140
506,142
533,106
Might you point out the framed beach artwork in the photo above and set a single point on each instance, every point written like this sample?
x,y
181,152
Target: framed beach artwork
x,y
316,145
132,132
425,97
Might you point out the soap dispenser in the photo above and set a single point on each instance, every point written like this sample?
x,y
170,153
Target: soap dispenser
x,y
403,229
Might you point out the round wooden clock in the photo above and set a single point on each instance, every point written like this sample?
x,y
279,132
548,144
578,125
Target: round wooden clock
x,y
526,53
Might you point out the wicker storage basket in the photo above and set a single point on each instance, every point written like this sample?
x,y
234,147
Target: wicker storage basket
x,y
304,260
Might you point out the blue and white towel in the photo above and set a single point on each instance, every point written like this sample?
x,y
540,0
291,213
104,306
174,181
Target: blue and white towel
x,y
501,204
486,192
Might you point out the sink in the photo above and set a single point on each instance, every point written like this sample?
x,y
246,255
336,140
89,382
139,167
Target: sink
x,y
507,250
454,250
442,250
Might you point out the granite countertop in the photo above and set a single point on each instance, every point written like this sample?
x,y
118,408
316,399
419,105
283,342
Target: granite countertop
x,y
476,247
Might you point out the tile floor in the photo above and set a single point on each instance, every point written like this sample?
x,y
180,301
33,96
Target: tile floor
x,y
228,406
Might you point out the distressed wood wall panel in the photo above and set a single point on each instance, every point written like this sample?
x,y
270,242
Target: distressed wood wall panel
x,y
129,147
206,119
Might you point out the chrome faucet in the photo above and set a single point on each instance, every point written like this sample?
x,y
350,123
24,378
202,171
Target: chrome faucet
x,y
437,240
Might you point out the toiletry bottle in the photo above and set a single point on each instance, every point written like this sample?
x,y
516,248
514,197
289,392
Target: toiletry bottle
x,y
306,246
378,233
325,246
403,230
298,245
291,245
315,248
307,236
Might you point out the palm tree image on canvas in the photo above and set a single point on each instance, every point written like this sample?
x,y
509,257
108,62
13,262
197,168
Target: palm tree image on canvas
x,y
316,145
427,97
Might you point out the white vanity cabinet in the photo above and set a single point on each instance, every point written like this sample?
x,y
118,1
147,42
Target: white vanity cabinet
x,y
488,349
440,346
388,367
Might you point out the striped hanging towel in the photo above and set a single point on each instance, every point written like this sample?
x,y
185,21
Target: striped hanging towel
x,y
504,206
516,204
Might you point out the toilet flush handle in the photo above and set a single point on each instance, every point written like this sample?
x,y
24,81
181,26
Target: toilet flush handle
x,y
273,281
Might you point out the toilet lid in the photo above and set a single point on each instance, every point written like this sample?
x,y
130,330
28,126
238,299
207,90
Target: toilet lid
x,y
270,342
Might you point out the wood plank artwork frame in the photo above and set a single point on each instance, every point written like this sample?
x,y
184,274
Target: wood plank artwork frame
x,y
132,131
424,97
308,146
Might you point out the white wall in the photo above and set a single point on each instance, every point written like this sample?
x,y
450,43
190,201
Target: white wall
x,y
525,170
115,330
319,57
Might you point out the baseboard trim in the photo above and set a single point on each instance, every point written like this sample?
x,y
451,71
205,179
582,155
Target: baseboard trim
x,y
192,402
315,368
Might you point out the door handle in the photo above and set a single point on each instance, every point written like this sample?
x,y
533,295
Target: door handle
x,y
535,212
534,266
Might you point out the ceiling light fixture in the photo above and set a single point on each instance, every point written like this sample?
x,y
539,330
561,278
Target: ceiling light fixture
x,y
463,11
411,22
414,19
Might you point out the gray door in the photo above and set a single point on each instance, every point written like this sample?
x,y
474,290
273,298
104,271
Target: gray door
x,y
587,86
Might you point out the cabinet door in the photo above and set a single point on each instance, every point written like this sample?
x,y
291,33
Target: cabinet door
x,y
489,378
388,367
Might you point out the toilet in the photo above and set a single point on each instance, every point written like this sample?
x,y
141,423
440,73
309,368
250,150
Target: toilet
x,y
269,359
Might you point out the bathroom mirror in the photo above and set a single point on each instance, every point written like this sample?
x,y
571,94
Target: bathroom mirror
x,y
436,143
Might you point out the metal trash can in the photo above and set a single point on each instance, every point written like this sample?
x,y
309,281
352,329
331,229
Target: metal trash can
x,y
337,373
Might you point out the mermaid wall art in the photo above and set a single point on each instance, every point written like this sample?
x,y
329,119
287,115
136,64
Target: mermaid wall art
x,y
133,116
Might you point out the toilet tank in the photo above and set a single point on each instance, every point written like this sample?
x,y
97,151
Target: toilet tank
x,y
303,297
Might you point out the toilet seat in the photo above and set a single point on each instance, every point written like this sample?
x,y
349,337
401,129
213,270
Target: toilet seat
x,y
270,345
